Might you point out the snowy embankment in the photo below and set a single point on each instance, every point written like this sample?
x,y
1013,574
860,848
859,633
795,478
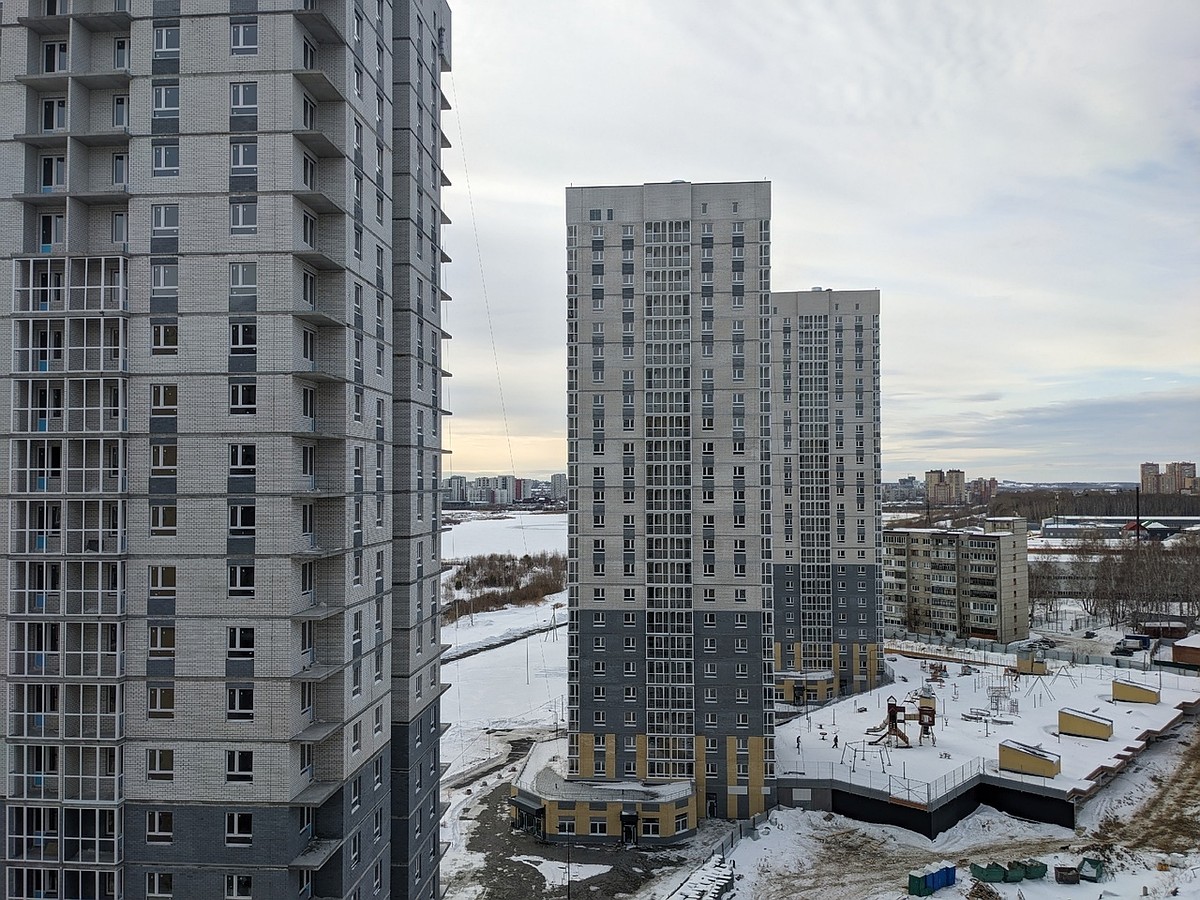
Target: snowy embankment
x,y
519,684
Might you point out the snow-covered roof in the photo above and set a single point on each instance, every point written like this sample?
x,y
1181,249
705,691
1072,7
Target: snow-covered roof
x,y
1091,717
1192,640
1024,710
1038,751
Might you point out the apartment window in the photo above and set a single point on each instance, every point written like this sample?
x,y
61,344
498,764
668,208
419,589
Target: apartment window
x,y
241,520
121,53
308,232
161,641
239,829
166,100
243,37
243,398
164,219
308,54
165,159
241,580
166,42
162,582
308,172
54,114
120,227
161,701
239,765
164,338
356,737
120,112
243,98
239,703
243,459
239,887
309,113
241,643
162,519
160,826
164,279
243,157
160,765
243,216
243,279
164,460
54,172
160,886
243,337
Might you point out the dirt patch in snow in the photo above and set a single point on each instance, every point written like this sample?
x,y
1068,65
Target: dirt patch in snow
x,y
1170,820
622,871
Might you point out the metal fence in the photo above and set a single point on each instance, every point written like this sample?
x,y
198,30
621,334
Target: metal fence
x,y
724,846
989,653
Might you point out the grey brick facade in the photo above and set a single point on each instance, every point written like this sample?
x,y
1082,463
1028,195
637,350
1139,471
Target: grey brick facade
x,y
222,444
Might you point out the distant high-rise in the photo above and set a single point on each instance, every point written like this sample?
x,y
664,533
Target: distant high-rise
x,y
825,475
946,488
670,665
558,486
221,455
1175,478
1149,476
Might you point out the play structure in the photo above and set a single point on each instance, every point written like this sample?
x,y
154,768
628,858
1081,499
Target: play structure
x,y
891,731
864,752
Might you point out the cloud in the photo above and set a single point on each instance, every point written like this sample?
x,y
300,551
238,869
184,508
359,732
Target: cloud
x,y
1018,179
1108,437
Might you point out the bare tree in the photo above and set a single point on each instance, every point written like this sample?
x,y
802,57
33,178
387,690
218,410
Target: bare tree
x,y
1044,588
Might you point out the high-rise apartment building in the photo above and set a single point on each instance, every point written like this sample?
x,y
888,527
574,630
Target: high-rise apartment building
x,y
945,488
967,583
1181,478
825,477
1174,478
558,486
669,415
1148,476
221,451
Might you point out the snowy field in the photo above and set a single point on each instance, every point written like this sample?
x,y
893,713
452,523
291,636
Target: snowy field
x,y
520,685
515,533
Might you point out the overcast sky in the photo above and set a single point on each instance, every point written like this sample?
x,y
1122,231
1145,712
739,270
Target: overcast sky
x,y
1021,181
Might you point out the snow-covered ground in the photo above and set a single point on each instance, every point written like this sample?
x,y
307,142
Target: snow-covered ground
x,y
1028,713
800,854
521,685
515,533
485,629
518,690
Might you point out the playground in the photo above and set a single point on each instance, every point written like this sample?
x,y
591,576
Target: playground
x,y
942,722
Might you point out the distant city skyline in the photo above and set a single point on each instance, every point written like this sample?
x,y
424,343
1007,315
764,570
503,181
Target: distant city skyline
x,y
1018,180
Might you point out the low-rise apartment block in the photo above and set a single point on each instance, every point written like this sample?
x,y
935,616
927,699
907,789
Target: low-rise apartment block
x,y
971,582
